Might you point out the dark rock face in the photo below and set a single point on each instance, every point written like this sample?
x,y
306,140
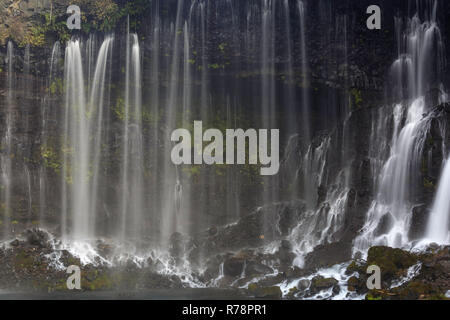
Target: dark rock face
x,y
320,283
419,220
273,293
38,238
384,225
233,267
267,224
328,255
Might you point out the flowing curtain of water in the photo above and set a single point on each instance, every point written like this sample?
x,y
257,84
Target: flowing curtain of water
x,y
414,74
7,143
84,107
132,158
438,225
170,184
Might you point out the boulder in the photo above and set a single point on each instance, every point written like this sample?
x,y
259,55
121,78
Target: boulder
x,y
320,283
328,255
37,238
233,266
259,292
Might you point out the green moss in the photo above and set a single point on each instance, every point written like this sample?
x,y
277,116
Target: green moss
x,y
357,97
23,260
101,281
321,283
51,159
392,262
428,184
46,25
56,87
372,295
355,266
216,66
265,292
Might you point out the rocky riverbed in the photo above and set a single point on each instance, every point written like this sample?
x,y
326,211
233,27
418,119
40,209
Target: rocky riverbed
x,y
35,265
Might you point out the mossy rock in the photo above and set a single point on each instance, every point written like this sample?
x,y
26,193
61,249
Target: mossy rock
x,y
353,284
355,266
273,293
320,283
392,262
23,260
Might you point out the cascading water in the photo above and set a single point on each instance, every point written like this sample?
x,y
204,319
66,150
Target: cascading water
x,y
305,80
109,146
132,158
83,131
7,143
438,225
414,74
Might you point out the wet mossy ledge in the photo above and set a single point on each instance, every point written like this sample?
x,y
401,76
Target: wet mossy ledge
x,y
40,25
33,264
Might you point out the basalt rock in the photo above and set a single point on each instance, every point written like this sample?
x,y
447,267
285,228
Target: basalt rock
x,y
320,283
328,255
273,293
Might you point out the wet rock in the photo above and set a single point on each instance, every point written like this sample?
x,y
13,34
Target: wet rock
x,y
384,225
259,292
328,255
37,238
355,266
266,224
392,262
303,284
254,268
285,253
320,283
419,222
176,246
233,266
294,273
356,284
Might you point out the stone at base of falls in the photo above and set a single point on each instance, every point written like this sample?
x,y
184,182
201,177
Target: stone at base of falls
x,y
391,261
233,266
37,237
328,255
260,292
398,282
320,283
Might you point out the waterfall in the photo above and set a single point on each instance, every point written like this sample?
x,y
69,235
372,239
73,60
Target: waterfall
x,y
48,117
169,223
305,95
414,74
7,143
438,224
132,158
102,163
82,133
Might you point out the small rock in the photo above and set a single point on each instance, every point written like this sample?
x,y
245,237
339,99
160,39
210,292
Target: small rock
x,y
303,284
